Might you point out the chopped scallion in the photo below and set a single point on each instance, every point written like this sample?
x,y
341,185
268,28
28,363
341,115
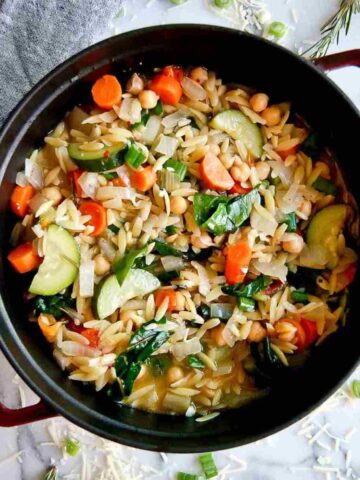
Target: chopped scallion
x,y
246,304
300,296
277,29
208,465
72,446
290,220
134,157
222,3
178,167
144,119
355,387
158,109
188,476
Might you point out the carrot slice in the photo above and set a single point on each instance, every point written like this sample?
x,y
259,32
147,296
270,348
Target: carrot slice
x,y
173,71
106,92
290,151
168,89
237,261
310,330
98,216
75,175
20,199
143,179
300,339
217,335
161,294
237,188
50,329
214,174
24,258
92,334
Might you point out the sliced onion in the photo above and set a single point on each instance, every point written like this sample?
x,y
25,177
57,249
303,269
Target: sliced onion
x,y
170,121
36,201
169,180
289,201
176,403
33,173
107,248
227,333
86,278
73,349
189,347
124,174
316,256
107,193
151,130
262,221
192,89
221,310
21,179
280,170
275,269
167,145
130,110
204,283
171,263
89,182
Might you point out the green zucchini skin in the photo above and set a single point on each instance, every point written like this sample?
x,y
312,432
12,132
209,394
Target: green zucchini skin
x,y
99,161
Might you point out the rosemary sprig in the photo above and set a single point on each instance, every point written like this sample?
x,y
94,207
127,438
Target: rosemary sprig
x,y
333,27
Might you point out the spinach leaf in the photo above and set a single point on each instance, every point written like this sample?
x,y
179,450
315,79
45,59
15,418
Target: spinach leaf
x,y
204,254
159,364
52,304
219,222
163,248
267,365
205,204
170,229
122,266
165,277
240,209
241,290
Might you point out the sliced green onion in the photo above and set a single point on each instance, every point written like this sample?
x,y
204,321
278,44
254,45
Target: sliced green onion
x,y
113,228
355,387
290,220
246,304
169,180
50,474
144,119
72,446
277,29
326,186
178,167
208,465
122,266
188,476
299,296
195,362
166,277
134,157
222,3
110,175
158,109
170,229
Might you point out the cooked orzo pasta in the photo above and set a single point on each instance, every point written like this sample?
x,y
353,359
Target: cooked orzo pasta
x,y
189,240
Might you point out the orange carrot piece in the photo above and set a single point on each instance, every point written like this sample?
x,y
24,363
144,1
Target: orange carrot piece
x,y
92,334
310,330
168,89
98,216
217,335
173,71
214,174
49,330
237,261
20,199
290,151
161,294
237,188
143,179
75,175
106,92
24,258
300,340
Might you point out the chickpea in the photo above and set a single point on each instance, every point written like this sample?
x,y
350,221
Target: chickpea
x,y
240,173
262,169
178,205
135,84
272,115
174,374
217,335
52,193
201,241
199,75
293,244
305,208
257,332
102,266
148,99
259,102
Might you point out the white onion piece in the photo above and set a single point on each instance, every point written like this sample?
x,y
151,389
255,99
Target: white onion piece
x,y
107,193
279,170
21,179
107,248
33,173
167,145
189,347
204,283
316,256
130,110
123,173
262,221
289,201
171,263
275,269
170,121
192,89
36,201
88,181
73,349
151,130
86,278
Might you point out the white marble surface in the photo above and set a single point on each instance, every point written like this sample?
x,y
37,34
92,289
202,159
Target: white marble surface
x,y
26,452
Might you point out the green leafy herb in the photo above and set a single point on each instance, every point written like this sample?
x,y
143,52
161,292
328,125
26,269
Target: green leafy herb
x,y
170,229
290,220
219,213
166,277
195,362
355,387
163,248
246,304
113,228
241,290
51,474
158,109
159,364
134,156
72,446
178,167
52,304
208,465
300,296
109,175
122,266
326,186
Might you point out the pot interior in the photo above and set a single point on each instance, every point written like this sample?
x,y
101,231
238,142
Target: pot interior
x,y
237,57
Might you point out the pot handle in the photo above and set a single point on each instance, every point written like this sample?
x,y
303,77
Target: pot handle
x,y
351,58
10,417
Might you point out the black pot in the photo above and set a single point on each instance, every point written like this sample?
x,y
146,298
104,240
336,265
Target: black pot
x,y
237,57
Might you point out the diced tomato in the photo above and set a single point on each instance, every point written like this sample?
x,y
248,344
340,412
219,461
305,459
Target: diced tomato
x,y
92,334
346,278
75,175
300,339
310,330
173,71
71,325
290,151
237,188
